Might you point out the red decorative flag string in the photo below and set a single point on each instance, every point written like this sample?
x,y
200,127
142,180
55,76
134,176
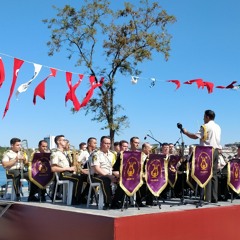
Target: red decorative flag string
x,y
93,85
40,89
2,72
17,65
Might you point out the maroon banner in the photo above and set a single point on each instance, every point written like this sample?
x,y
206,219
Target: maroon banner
x,y
156,173
172,171
40,170
234,175
202,162
131,172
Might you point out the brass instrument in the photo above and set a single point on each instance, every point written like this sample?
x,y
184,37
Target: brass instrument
x,y
75,163
23,154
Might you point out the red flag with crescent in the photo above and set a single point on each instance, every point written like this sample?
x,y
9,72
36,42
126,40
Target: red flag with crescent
x,y
16,67
2,72
40,89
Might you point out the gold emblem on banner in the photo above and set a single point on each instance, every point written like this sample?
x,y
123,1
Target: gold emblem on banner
x,y
155,171
203,163
131,171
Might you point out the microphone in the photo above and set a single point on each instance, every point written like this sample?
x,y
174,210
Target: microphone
x,y
179,125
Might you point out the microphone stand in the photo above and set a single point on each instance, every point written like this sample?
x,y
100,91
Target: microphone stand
x,y
160,144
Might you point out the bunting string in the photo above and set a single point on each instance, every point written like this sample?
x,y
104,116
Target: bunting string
x,y
71,94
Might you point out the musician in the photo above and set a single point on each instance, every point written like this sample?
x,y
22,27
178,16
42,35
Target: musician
x,y
61,165
238,152
13,161
119,193
84,153
134,144
34,189
172,149
144,191
101,164
209,134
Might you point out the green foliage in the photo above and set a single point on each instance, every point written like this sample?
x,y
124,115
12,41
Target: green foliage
x,y
124,37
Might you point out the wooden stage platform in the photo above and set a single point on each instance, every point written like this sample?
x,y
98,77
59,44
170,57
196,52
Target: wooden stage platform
x,y
25,221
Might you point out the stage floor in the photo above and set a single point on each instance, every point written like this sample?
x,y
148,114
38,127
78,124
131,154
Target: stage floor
x,y
173,205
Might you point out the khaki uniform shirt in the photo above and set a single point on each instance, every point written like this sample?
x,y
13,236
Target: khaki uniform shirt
x,y
10,155
59,158
104,160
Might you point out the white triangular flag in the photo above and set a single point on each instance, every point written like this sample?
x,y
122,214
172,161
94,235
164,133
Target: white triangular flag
x,y
23,87
134,80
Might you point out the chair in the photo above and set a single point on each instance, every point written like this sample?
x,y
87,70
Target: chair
x,y
9,184
67,190
96,187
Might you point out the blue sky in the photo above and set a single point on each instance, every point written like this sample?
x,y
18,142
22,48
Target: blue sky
x,y
205,45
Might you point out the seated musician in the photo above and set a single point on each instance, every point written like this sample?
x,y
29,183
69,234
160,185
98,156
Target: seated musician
x,y
101,164
13,161
34,189
61,165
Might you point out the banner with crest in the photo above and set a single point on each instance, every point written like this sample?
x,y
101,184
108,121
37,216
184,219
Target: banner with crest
x,y
202,162
234,175
131,172
40,170
156,173
172,171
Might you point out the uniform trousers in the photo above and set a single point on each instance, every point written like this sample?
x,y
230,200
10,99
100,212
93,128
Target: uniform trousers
x,y
106,187
211,189
15,174
77,185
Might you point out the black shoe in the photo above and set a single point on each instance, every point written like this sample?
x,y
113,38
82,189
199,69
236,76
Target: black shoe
x,y
33,199
214,201
106,206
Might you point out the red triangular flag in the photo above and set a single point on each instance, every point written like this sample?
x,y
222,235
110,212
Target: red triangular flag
x,y
16,67
177,82
209,86
2,72
91,90
40,89
198,81
71,95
